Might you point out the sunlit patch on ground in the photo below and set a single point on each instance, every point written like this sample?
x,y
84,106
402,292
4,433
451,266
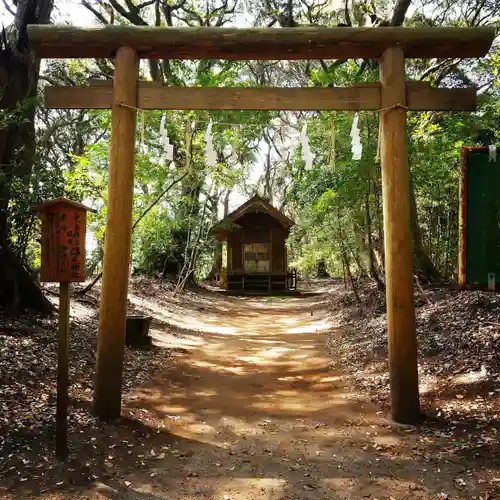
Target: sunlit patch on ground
x,y
253,407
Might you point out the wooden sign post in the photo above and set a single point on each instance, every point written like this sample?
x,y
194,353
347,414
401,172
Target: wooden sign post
x,y
63,261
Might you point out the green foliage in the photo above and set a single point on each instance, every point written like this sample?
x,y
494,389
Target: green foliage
x,y
336,205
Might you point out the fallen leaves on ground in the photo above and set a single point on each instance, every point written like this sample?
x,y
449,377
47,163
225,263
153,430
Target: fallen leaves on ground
x,y
459,365
28,374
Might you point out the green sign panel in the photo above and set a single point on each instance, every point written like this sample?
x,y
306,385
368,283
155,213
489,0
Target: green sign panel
x,y
479,256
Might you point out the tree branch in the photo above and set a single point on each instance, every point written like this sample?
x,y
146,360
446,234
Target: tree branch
x,y
10,10
399,12
89,287
477,13
347,14
145,4
100,17
131,15
438,66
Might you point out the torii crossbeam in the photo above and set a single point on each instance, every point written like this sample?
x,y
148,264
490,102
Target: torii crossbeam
x,y
392,97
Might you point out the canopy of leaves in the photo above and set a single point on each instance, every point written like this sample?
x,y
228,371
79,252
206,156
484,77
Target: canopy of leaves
x,y
336,204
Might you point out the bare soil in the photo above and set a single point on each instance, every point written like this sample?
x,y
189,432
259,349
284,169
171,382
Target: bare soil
x,y
241,399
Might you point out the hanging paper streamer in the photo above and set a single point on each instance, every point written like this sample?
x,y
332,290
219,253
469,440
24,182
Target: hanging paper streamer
x,y
210,154
169,150
306,150
142,147
356,146
492,153
167,147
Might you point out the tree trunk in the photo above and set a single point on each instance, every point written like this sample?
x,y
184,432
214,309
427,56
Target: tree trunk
x,y
346,264
192,251
187,209
219,245
321,271
217,262
422,263
369,241
19,290
268,191
18,80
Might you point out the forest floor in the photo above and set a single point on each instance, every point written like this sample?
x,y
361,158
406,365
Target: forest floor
x,y
258,398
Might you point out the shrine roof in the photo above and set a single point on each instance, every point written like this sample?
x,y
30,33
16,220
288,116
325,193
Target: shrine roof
x,y
254,204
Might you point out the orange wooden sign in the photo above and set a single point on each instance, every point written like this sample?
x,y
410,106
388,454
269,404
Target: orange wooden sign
x,y
64,224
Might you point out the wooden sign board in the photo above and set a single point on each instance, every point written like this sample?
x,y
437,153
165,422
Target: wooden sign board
x,y
64,224
479,229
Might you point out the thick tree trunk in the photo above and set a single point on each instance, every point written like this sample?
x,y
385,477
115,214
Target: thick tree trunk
x,y
18,81
19,290
177,249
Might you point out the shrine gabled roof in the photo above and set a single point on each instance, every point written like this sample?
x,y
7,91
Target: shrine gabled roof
x,y
254,204
62,201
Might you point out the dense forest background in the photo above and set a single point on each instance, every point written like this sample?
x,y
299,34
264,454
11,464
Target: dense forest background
x,y
336,202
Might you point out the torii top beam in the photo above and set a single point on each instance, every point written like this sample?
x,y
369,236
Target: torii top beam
x,y
51,41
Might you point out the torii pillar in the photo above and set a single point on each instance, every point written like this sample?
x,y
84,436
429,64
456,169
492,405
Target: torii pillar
x,y
403,373
118,241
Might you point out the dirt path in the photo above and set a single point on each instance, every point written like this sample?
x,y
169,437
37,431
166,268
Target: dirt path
x,y
252,409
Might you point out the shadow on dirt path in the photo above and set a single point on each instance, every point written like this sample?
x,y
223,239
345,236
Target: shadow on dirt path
x,y
258,411
253,408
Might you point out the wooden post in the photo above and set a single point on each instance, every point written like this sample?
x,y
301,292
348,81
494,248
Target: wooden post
x,y
62,374
462,220
398,240
113,311
64,225
249,44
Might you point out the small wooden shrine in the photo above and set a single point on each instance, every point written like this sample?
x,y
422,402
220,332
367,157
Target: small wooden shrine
x,y
256,233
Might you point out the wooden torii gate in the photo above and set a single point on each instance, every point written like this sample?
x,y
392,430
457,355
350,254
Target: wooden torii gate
x,y
392,97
